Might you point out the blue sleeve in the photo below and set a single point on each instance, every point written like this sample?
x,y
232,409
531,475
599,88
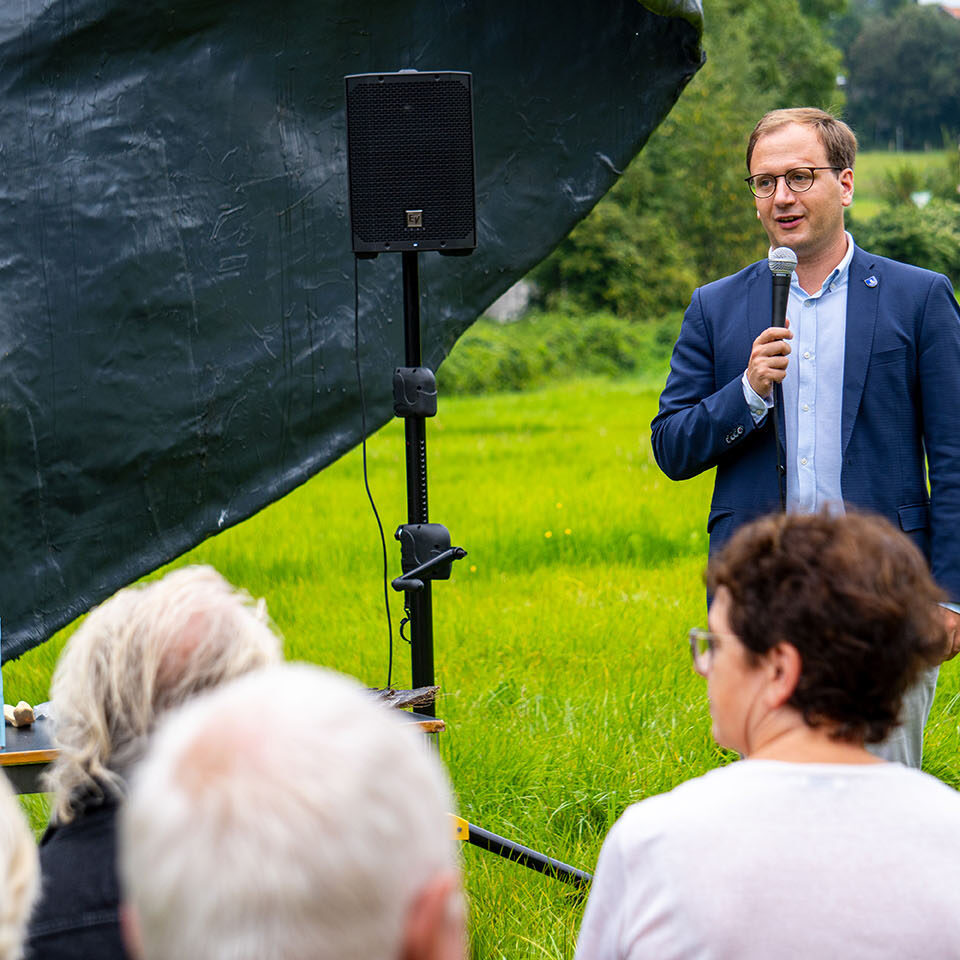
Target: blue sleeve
x,y
699,421
939,379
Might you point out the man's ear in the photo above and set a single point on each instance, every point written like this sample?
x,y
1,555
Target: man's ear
x,y
435,926
783,665
130,930
846,184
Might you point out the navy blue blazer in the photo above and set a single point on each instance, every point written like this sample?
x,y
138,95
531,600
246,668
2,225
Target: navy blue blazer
x,y
901,404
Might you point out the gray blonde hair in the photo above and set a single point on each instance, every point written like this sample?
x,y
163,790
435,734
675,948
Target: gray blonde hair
x,y
146,649
18,873
310,844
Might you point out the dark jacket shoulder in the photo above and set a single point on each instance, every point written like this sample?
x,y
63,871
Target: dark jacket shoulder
x,y
77,915
735,281
904,271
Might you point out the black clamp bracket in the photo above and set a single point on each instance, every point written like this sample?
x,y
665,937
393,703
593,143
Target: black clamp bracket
x,y
414,392
425,554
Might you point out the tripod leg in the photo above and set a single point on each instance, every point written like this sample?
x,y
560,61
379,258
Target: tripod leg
x,y
470,833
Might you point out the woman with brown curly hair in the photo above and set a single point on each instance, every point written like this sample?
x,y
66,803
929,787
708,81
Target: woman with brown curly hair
x,y
811,846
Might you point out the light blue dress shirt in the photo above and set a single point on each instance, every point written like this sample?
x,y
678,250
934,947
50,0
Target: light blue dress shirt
x,y
813,391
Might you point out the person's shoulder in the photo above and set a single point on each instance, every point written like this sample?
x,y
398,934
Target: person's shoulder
x,y
717,297
902,272
735,282
93,825
920,782
656,813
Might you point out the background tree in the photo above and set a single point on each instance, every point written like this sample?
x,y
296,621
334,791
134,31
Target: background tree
x,y
682,215
846,23
598,268
904,74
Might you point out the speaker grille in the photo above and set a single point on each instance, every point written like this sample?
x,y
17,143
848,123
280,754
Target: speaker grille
x,y
410,160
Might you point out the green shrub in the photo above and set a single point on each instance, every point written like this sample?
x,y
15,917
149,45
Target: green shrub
x,y
545,348
927,238
616,261
940,179
943,180
900,183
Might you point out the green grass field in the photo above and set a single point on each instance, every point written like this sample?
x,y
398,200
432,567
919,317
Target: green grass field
x,y
560,640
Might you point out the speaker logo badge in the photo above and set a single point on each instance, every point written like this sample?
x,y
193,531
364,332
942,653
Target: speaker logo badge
x,y
414,218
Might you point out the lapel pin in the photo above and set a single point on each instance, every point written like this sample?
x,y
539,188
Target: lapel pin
x,y
871,281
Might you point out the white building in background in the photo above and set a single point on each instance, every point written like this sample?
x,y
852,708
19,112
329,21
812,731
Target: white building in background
x,y
952,9
512,304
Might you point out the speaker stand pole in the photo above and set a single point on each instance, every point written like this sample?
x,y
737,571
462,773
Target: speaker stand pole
x,y
419,603
429,555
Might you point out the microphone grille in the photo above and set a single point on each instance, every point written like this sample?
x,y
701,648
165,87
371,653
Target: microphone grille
x,y
782,261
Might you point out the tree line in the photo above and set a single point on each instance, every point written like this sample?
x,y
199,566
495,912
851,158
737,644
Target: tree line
x,y
681,215
902,67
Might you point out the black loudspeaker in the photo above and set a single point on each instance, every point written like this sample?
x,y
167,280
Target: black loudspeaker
x,y
410,162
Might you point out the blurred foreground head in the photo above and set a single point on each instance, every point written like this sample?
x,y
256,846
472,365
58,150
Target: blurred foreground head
x,y
850,594
143,651
287,816
18,873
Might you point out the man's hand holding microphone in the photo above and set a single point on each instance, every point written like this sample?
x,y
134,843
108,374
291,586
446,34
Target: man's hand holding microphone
x,y
769,358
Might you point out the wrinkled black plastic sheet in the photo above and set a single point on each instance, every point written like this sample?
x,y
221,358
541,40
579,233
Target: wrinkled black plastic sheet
x,y
176,281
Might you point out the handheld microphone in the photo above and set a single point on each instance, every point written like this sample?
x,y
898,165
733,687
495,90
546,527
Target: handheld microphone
x,y
782,262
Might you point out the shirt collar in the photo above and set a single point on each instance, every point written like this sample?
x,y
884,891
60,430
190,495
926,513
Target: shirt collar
x,y
841,271
838,276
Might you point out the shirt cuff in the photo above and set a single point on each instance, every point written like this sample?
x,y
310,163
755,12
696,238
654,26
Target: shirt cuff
x,y
757,404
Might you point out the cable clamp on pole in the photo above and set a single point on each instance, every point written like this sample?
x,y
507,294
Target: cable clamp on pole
x,y
414,392
425,554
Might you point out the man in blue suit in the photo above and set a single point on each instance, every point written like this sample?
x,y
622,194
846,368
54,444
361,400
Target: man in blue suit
x,y
868,363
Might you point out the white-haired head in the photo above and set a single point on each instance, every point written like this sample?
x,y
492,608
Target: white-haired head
x,y
18,873
143,651
288,816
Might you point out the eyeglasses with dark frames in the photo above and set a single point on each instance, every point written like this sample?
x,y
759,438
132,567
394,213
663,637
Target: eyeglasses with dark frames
x,y
798,180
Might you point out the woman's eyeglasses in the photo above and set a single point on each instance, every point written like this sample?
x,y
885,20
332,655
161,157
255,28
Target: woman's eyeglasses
x,y
702,645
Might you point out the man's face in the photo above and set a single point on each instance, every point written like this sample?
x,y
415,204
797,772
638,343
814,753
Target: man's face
x,y
811,222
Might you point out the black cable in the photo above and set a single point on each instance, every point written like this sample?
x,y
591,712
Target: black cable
x,y
366,479
778,440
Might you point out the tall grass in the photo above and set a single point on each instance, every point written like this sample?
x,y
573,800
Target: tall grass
x,y
560,639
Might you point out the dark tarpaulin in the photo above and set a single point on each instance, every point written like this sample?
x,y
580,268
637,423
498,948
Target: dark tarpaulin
x,y
176,281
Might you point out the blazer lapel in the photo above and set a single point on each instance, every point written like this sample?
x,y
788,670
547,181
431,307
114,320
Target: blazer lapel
x,y
760,300
863,303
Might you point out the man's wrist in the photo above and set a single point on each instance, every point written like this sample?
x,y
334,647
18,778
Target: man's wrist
x,y
758,405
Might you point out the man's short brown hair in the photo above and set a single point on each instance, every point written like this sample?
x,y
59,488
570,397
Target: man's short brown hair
x,y
853,595
837,138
